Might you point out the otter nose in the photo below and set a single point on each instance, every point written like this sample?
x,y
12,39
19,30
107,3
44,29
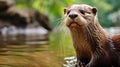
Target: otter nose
x,y
73,16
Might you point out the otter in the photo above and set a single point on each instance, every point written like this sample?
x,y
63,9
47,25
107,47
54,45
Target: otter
x,y
94,47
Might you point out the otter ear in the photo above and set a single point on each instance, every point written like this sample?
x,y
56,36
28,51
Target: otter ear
x,y
94,10
65,10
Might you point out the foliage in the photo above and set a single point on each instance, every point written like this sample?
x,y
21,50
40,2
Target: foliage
x,y
54,8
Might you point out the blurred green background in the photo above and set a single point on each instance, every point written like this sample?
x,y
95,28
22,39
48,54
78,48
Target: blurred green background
x,y
54,9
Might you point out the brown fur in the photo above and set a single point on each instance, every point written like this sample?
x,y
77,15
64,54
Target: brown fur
x,y
94,47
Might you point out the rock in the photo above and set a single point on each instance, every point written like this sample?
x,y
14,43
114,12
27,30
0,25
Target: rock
x,y
11,15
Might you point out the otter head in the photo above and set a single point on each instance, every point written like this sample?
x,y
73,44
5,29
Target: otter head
x,y
79,15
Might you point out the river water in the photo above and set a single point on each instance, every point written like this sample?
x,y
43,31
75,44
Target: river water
x,y
28,47
31,47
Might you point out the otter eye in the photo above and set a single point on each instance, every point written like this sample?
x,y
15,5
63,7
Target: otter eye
x,y
68,12
82,11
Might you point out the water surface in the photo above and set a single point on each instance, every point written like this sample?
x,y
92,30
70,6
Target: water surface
x,y
28,47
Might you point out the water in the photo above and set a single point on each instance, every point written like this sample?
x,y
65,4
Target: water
x,y
31,47
37,35
26,48
70,61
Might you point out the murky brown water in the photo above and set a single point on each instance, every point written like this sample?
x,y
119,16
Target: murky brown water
x,y
31,48
28,48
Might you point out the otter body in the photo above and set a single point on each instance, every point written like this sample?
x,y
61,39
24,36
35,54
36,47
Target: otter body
x,y
93,45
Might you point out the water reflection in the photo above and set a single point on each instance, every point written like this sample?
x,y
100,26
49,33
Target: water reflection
x,y
26,48
14,35
30,48
70,61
